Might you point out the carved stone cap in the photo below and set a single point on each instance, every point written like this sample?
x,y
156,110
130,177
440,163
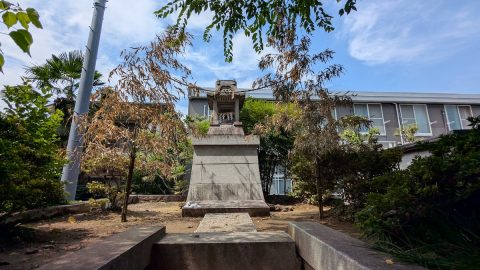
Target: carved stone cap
x,y
226,92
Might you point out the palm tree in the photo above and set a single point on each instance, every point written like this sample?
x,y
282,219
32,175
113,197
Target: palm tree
x,y
61,74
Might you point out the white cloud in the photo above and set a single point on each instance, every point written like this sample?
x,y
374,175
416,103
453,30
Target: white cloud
x,y
196,22
126,24
406,31
66,24
209,60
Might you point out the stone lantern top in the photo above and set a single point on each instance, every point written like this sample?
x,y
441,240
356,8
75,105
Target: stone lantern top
x,y
226,103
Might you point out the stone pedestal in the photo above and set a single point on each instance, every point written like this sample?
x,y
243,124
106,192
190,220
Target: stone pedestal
x,y
225,175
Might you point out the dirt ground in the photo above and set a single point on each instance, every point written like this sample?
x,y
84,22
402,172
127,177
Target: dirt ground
x,y
41,242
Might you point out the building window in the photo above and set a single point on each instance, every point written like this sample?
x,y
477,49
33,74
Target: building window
x,y
373,112
279,185
416,115
206,111
457,116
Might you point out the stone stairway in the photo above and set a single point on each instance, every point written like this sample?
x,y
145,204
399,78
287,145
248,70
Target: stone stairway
x,y
225,241
308,245
225,250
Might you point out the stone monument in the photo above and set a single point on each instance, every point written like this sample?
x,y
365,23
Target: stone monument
x,y
225,176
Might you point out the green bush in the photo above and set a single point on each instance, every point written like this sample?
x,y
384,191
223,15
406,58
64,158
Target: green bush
x,y
197,124
432,207
112,192
30,161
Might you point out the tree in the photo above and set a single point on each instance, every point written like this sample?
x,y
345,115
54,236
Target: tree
x,y
295,79
275,142
259,19
61,75
136,126
30,163
12,15
365,159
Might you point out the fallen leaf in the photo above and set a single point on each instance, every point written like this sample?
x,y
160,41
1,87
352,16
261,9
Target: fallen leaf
x,y
389,261
72,219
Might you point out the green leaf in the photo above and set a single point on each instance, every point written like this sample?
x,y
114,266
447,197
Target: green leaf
x,y
34,17
4,5
9,18
2,61
23,39
24,19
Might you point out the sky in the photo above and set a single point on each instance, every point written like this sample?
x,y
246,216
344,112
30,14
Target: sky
x,y
388,45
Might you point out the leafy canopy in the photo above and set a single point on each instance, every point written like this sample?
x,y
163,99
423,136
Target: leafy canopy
x,y
12,15
61,73
30,163
275,141
136,125
256,18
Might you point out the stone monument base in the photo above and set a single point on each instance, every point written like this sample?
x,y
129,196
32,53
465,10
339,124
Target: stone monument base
x,y
254,208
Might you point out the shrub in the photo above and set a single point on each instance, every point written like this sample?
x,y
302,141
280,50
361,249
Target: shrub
x,y
30,161
433,205
112,192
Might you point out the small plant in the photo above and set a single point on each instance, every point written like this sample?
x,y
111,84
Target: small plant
x,y
100,190
98,203
408,132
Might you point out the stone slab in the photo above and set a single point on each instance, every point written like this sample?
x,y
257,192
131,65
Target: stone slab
x,y
235,129
327,249
123,251
136,198
225,154
200,208
230,222
221,251
225,139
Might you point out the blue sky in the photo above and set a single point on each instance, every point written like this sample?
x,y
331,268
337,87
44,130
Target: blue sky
x,y
388,45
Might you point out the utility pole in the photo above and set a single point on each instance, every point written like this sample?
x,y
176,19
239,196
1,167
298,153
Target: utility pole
x,y
71,170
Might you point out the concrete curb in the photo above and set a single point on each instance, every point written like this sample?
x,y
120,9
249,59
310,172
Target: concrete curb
x,y
44,213
324,248
123,251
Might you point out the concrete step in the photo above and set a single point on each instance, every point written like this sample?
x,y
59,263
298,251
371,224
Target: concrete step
x,y
254,208
225,251
226,222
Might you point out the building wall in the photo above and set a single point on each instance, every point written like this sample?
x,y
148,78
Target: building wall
x,y
391,117
436,114
476,110
408,158
196,106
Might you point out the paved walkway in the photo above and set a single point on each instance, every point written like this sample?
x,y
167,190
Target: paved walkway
x,y
229,222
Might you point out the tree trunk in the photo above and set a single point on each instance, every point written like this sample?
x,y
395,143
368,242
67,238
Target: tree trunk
x,y
319,185
129,183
